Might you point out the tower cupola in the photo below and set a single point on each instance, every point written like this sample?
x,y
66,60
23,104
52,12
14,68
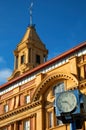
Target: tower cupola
x,y
30,52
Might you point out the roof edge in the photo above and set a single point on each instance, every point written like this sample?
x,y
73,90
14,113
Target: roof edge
x,y
74,49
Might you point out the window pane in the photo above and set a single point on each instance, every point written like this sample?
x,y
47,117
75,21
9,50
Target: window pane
x,y
27,99
22,59
6,108
27,125
38,59
50,119
29,55
59,88
16,66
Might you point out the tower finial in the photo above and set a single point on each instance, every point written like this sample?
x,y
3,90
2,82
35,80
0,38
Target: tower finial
x,y
31,6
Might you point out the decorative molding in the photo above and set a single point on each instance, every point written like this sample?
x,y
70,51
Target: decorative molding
x,y
44,71
51,78
20,110
82,84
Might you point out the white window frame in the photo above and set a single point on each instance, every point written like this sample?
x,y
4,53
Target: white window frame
x,y
50,119
6,108
27,99
27,125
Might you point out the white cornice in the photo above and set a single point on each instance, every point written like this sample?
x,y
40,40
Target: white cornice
x,y
44,70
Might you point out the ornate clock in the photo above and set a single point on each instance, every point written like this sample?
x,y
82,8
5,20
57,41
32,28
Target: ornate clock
x,y
66,102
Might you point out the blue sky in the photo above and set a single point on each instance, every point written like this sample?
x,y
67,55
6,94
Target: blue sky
x,y
61,25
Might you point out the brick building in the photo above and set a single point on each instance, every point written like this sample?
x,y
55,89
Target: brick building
x,y
26,100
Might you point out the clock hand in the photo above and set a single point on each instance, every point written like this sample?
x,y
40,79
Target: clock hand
x,y
66,102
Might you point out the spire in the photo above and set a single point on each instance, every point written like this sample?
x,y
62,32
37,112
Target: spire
x,y
31,13
31,35
30,52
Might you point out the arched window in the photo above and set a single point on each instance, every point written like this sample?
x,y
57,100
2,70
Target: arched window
x,y
58,88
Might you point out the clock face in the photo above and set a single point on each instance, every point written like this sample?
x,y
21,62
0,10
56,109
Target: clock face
x,y
66,102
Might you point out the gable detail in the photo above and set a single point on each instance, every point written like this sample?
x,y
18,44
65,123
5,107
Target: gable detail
x,y
50,79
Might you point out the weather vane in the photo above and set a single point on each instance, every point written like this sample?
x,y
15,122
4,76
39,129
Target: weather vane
x,y
31,12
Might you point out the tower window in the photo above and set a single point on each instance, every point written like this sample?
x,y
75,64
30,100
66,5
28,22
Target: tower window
x,y
37,59
45,58
29,55
16,62
22,59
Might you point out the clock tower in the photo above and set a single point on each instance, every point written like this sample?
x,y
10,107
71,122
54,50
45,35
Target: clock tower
x,y
29,53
